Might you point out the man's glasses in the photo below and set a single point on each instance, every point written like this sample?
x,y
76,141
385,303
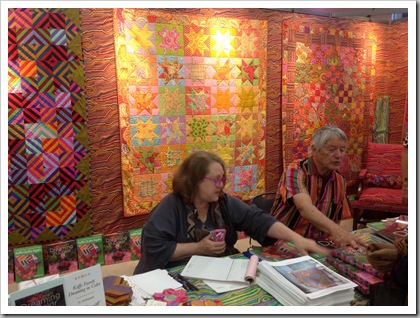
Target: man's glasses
x,y
217,181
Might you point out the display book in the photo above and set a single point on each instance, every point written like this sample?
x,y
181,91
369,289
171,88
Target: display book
x,y
353,263
358,258
304,281
90,251
285,250
279,251
80,288
393,231
28,262
61,257
116,247
10,266
363,279
135,243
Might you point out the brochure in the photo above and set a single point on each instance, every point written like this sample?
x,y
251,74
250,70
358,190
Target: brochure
x,y
81,288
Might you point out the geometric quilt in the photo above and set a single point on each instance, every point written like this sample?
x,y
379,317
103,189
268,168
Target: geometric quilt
x,y
328,78
188,83
48,158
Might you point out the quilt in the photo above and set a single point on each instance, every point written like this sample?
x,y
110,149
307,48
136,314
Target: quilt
x,y
188,83
328,78
48,158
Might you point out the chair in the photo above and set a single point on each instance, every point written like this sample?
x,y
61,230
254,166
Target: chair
x,y
380,184
264,200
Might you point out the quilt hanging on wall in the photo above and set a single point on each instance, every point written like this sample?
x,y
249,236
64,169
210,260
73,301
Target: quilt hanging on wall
x,y
328,78
188,83
48,162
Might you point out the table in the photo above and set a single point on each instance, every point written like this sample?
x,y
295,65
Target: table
x,y
249,296
252,295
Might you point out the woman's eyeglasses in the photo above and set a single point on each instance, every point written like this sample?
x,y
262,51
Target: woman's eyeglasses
x,y
217,181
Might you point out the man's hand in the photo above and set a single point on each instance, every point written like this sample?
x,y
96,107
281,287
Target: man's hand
x,y
343,238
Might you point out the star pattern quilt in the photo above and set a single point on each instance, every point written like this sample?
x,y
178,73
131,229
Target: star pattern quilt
x,y
188,83
328,77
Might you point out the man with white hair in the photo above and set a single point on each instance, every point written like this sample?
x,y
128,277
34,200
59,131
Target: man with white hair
x,y
311,196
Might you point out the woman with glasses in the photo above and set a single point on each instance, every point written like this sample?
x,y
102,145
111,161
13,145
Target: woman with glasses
x,y
182,224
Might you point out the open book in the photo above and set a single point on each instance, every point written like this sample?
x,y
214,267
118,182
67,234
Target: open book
x,y
222,273
304,281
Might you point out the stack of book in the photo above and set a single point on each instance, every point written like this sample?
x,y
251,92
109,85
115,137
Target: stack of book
x,y
354,264
304,281
393,231
363,279
388,230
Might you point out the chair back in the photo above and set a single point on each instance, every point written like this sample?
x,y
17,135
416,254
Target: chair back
x,y
384,159
264,201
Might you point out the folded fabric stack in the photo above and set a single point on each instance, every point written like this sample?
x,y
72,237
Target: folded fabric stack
x,y
117,291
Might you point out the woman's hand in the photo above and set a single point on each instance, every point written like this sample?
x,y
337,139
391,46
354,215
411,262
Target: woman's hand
x,y
208,247
306,246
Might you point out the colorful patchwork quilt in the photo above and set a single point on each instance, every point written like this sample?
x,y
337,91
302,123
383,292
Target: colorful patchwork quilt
x,y
188,83
328,77
48,159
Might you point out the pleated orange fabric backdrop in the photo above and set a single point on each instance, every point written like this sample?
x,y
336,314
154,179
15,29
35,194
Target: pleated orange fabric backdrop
x,y
98,47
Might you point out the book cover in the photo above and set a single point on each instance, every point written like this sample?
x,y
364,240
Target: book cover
x,y
10,266
53,296
79,288
358,258
61,257
376,226
85,287
393,231
135,243
116,248
29,262
280,251
90,251
326,242
363,279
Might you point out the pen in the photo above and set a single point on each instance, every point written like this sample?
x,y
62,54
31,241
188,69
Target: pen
x,y
189,284
249,254
184,285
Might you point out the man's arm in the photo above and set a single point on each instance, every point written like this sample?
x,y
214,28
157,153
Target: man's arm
x,y
310,212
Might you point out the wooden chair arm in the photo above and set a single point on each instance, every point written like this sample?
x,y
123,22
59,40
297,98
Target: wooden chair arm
x,y
362,175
